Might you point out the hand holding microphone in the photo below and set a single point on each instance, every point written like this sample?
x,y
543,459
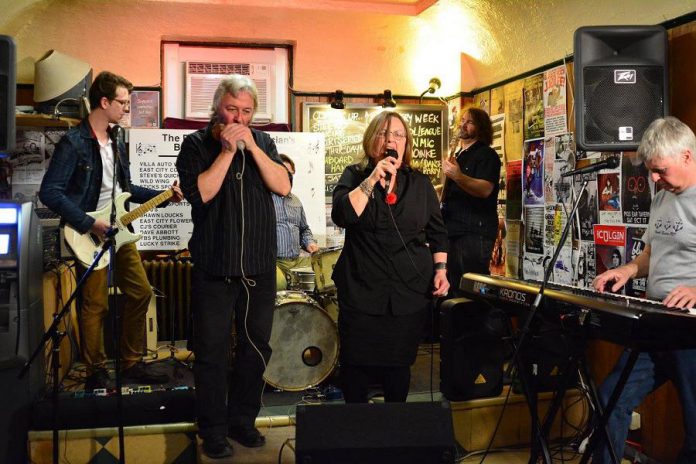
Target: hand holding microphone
x,y
389,153
217,135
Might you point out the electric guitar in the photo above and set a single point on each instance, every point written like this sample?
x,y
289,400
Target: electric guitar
x,y
87,246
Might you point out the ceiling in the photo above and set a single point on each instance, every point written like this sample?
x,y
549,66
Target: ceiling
x,y
402,7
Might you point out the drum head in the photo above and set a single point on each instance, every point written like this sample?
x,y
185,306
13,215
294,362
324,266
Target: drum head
x,y
304,340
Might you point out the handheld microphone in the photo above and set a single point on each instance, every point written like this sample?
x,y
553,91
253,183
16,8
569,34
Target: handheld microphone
x,y
390,152
609,163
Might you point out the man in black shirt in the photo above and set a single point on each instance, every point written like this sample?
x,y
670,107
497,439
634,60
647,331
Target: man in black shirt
x,y
228,172
469,198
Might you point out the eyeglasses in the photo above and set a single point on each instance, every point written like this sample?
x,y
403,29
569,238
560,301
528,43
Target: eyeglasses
x,y
122,102
396,134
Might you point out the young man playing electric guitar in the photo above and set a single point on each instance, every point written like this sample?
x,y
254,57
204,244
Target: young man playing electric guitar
x,y
80,179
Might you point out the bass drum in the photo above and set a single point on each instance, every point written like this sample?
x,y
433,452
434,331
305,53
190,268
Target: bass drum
x,y
304,340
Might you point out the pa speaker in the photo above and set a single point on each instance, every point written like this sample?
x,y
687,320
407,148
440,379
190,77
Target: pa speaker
x,y
8,62
472,351
621,84
15,404
418,433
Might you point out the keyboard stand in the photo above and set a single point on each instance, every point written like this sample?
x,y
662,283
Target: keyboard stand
x,y
603,419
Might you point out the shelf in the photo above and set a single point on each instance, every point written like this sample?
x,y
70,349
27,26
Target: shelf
x,y
44,120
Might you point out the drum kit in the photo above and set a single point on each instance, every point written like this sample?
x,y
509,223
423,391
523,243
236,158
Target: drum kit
x,y
304,338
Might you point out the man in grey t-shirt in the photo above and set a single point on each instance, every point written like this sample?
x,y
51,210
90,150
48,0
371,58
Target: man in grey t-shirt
x,y
668,149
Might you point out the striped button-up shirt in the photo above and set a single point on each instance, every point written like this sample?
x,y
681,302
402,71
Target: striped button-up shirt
x,y
235,231
291,226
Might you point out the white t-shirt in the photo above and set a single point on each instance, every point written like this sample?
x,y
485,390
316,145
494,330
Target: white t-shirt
x,y
107,159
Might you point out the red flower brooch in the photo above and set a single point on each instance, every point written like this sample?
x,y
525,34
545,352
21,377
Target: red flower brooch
x,y
391,198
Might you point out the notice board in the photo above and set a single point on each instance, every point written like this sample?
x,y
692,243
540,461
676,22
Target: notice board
x,y
343,130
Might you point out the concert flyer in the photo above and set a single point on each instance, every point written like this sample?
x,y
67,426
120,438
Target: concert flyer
x,y
514,135
533,173
513,190
635,246
555,118
534,229
608,187
635,190
610,247
533,94
585,270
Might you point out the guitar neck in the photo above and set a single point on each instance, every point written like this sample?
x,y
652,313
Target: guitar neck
x,y
146,207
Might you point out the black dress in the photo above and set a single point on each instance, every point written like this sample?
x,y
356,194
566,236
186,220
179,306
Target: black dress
x,y
384,288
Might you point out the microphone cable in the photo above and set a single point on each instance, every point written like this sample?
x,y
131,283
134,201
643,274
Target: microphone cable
x,y
403,242
246,281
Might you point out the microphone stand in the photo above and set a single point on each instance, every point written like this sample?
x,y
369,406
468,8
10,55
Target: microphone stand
x,y
113,309
56,336
538,435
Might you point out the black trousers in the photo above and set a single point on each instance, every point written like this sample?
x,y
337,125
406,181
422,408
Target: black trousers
x,y
224,399
355,382
467,253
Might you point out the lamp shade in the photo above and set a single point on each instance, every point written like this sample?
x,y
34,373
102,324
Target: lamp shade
x,y
56,73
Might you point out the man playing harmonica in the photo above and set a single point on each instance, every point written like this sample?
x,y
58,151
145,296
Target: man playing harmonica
x,y
228,171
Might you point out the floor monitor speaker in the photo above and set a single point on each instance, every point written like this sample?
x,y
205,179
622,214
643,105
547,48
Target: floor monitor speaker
x,y
403,433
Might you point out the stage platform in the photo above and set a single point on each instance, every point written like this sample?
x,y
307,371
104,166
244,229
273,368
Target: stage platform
x,y
161,429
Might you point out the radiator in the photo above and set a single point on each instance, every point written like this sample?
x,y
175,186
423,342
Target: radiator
x,y
171,282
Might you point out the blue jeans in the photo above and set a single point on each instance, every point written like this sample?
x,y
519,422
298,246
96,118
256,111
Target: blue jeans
x,y
651,370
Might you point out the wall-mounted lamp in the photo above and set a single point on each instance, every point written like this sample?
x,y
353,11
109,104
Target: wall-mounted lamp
x,y
433,85
388,101
337,100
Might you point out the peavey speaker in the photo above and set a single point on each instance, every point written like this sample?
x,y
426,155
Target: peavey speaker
x,y
403,433
8,63
621,84
472,350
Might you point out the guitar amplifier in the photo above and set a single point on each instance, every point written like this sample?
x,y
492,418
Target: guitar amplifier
x,y
54,248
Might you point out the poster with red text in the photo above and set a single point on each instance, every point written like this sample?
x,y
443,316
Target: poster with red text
x,y
610,248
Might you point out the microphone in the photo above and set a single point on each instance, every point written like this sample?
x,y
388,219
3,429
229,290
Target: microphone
x,y
390,152
115,133
609,163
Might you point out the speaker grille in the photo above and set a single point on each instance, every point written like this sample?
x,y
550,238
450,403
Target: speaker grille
x,y
608,106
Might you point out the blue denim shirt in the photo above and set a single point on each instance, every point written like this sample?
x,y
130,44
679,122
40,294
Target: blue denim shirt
x,y
72,183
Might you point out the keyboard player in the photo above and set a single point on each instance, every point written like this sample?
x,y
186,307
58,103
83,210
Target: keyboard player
x,y
667,148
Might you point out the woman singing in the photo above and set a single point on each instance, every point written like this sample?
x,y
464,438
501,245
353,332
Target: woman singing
x,y
393,261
